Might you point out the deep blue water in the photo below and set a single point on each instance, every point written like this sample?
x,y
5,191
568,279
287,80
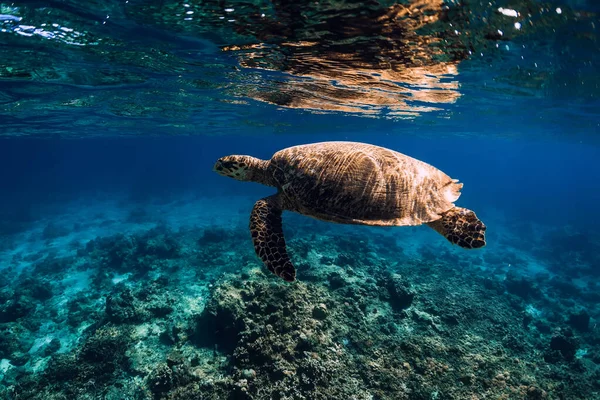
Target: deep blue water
x,y
544,181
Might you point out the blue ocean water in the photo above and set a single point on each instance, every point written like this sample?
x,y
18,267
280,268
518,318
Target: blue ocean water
x,y
128,270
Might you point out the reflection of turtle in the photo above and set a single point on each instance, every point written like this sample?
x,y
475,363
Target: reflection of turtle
x,y
349,183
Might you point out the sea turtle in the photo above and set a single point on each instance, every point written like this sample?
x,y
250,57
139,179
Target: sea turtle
x,y
349,183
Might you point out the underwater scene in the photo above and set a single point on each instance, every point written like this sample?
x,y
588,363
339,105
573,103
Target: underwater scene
x,y
291,199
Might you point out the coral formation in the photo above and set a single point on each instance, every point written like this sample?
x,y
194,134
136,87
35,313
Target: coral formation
x,y
189,314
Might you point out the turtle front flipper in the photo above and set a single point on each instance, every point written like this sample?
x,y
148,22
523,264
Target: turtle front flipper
x,y
462,227
267,236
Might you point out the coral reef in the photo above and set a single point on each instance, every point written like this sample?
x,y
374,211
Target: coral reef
x,y
191,314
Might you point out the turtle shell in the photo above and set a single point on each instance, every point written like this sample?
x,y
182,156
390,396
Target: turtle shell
x,y
360,183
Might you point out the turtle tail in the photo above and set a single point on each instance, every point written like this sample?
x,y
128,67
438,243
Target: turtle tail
x,y
462,227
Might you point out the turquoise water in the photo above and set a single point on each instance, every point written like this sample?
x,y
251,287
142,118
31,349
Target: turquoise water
x,y
128,269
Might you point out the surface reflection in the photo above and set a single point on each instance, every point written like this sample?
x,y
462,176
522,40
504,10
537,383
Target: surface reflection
x,y
352,57
195,66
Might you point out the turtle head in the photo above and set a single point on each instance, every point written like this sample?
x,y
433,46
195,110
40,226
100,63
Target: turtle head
x,y
235,167
243,168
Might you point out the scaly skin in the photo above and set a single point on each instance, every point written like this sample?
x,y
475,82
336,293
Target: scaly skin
x,y
267,236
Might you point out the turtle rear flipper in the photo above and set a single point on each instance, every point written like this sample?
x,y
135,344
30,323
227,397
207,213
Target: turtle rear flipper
x,y
462,227
267,236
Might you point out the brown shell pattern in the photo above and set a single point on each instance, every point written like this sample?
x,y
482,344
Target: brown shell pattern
x,y
360,183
